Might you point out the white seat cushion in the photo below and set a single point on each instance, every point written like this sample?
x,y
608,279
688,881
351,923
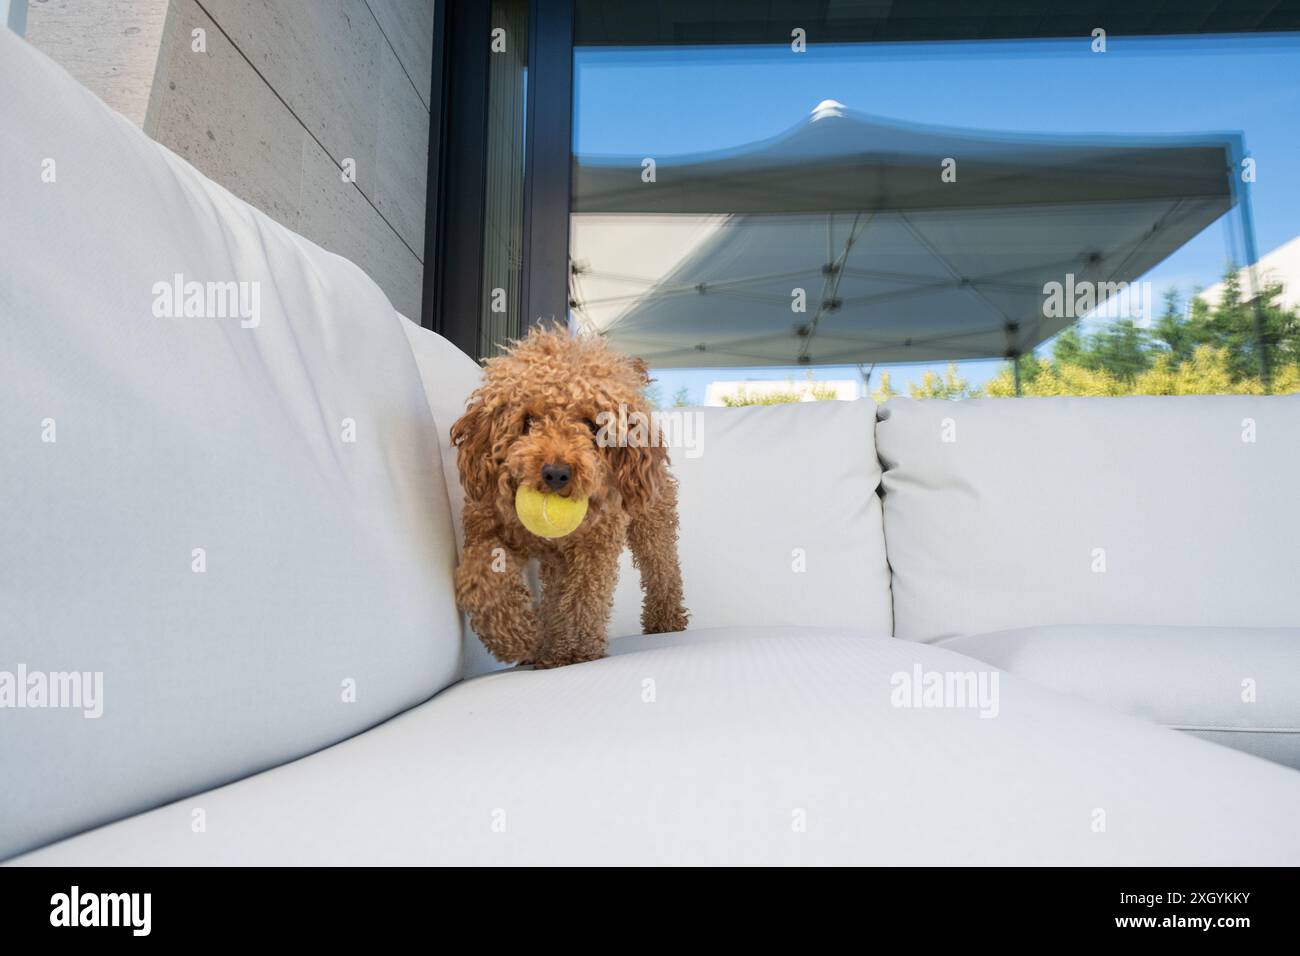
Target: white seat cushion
x,y
1236,686
1004,513
758,746
239,523
780,520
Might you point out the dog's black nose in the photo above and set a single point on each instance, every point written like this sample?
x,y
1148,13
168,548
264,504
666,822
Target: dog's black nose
x,y
556,476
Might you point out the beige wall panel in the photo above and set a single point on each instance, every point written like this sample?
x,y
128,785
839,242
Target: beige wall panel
x,y
335,215
408,25
401,176
215,111
110,46
322,58
277,76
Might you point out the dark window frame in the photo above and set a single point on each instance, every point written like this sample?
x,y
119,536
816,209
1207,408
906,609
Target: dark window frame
x,y
548,165
453,237
457,181
453,266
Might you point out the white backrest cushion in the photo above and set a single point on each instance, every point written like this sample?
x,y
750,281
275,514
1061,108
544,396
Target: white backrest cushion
x,y
449,377
1003,513
183,512
780,520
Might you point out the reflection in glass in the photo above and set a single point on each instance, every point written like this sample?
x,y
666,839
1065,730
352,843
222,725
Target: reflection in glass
x,y
503,213
988,240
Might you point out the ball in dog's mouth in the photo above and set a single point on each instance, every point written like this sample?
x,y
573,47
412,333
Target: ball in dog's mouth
x,y
548,515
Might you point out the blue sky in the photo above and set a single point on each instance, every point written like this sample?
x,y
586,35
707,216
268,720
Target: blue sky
x,y
689,99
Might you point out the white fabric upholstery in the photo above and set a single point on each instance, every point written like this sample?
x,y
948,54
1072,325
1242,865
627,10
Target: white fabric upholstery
x,y
192,443
449,376
1155,510
780,521
756,746
1237,686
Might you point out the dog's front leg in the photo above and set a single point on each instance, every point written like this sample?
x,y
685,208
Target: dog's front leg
x,y
652,537
577,597
490,589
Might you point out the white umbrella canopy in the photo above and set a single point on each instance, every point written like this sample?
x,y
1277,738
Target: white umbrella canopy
x,y
895,264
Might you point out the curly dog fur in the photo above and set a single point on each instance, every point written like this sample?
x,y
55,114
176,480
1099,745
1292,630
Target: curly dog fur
x,y
538,406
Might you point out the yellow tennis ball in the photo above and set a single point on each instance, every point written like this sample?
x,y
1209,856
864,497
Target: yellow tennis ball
x,y
548,516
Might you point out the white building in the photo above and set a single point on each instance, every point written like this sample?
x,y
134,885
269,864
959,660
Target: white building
x,y
1281,265
841,389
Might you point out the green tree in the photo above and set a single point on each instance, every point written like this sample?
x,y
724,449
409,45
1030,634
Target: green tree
x,y
1206,350
1171,330
1069,347
885,391
1207,372
1230,325
1121,349
950,385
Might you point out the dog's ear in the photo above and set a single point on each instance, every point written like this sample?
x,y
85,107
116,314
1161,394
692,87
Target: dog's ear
x,y
639,471
472,436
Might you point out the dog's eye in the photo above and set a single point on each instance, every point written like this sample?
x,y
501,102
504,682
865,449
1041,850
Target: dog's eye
x,y
593,427
528,424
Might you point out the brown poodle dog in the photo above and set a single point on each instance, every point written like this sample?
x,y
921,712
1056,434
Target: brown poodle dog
x,y
534,423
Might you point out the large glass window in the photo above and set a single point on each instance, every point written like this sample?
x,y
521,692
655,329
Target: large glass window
x,y
816,219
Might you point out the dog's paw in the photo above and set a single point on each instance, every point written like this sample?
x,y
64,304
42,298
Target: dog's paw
x,y
546,662
664,620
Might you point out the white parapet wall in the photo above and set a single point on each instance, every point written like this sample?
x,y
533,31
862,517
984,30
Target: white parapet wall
x,y
808,390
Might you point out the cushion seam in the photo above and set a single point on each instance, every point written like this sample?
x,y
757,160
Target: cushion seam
x,y
1239,730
